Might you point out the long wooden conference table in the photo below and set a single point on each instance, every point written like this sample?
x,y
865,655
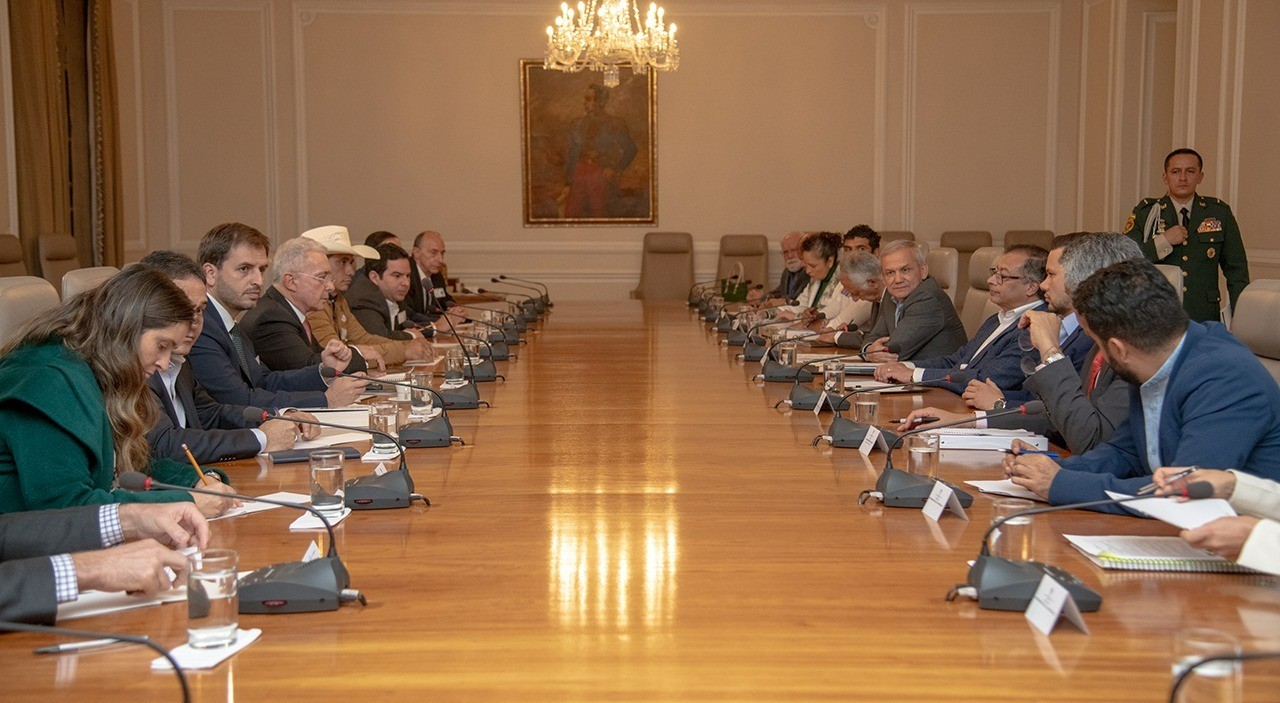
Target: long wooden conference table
x,y
633,520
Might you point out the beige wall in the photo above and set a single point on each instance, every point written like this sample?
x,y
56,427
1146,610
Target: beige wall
x,y
927,116
8,165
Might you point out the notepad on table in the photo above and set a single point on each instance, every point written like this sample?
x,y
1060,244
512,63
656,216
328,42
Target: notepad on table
x,y
1133,553
989,439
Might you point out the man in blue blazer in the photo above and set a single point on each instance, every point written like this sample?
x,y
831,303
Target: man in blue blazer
x,y
1199,396
234,257
993,353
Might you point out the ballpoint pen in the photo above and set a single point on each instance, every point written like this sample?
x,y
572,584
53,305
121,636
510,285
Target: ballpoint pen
x,y
1153,487
1025,452
75,646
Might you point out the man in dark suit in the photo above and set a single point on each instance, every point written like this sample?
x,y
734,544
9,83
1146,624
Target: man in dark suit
x,y
376,295
234,257
48,556
794,279
428,266
993,354
1084,398
277,325
860,277
917,320
1199,397
213,431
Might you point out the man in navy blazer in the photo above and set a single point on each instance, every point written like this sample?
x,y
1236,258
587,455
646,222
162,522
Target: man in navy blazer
x,y
993,354
48,556
1199,396
234,257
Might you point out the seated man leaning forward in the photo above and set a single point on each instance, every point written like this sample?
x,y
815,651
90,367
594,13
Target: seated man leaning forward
x,y
863,284
994,354
916,319
1199,397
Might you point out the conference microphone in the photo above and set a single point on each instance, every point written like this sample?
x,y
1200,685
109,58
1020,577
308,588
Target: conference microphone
x,y
1188,665
290,587
466,396
1004,584
483,372
718,314
436,432
695,291
515,322
751,349
394,489
899,489
527,310
546,292
806,397
846,433
774,372
538,303
90,635
500,335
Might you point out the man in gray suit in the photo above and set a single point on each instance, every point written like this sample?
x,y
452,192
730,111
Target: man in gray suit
x,y
1082,407
916,319
379,289
48,556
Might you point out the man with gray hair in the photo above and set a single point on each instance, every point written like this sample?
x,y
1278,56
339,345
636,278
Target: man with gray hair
x,y
794,279
916,318
1084,402
301,284
860,277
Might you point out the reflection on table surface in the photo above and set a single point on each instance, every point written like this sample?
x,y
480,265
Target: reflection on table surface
x,y
632,519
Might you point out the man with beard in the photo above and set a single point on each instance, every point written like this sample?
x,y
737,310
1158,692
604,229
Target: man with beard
x,y
794,279
1199,397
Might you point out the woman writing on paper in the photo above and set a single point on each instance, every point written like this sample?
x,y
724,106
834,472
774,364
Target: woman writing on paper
x,y
74,405
1252,539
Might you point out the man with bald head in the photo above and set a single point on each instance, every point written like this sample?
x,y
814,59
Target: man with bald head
x,y
427,292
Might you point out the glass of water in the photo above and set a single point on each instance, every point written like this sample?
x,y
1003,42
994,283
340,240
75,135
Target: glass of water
x,y
453,364
420,402
1210,682
833,379
866,407
1015,539
213,603
326,480
922,454
786,352
472,347
384,417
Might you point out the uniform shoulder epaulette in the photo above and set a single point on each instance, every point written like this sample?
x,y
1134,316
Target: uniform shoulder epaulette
x,y
1213,201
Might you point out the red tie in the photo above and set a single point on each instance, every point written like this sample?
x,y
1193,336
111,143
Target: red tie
x,y
1094,371
306,327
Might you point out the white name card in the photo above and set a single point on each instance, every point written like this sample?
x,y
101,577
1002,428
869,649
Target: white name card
x,y
943,498
870,441
1052,601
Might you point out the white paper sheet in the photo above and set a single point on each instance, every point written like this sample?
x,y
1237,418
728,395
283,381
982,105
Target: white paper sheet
x,y
1187,516
256,507
1005,487
308,521
189,658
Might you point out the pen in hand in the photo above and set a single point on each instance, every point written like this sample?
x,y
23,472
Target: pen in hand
x,y
1153,486
1051,455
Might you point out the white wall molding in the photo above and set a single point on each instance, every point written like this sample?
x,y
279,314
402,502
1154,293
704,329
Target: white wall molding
x,y
549,10
137,241
1151,25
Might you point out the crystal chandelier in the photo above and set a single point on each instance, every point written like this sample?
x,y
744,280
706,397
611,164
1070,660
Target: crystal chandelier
x,y
601,35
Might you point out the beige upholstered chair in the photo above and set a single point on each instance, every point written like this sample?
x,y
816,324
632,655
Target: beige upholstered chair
x,y
1042,238
943,263
750,250
11,261
1254,322
965,242
80,280
666,269
57,256
1174,275
21,299
886,237
977,304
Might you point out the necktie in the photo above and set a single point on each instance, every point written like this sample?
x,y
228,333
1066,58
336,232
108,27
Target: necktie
x,y
306,327
238,343
1095,370
1186,218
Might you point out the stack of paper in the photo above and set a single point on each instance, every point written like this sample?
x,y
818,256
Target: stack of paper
x,y
998,440
1151,554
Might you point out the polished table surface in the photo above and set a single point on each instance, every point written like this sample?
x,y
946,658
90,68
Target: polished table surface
x,y
633,520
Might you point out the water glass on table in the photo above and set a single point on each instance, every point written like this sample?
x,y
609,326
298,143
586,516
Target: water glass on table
x,y
1212,681
326,480
420,401
1015,539
786,353
833,379
384,417
866,407
213,603
922,454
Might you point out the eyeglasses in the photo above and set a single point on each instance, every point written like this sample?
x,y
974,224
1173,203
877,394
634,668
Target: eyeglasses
x,y
325,278
1004,278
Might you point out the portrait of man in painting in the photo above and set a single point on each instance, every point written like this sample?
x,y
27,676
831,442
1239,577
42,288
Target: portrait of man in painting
x,y
589,150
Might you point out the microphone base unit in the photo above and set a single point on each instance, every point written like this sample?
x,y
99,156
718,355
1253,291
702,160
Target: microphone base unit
x,y
777,373
461,398
806,398
899,489
484,372
847,434
736,338
752,350
394,489
436,432
294,587
1010,585
501,352
724,323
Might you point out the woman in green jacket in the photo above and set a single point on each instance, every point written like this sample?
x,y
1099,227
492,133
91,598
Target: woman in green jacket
x,y
74,405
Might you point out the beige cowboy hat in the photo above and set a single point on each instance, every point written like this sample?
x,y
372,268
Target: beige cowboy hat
x,y
337,240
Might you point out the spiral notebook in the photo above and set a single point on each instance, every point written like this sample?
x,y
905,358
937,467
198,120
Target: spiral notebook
x,y
1151,554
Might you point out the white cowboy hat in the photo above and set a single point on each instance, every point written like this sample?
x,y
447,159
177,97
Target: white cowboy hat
x,y
337,240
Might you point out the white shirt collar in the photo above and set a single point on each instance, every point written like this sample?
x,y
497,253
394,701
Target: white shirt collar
x,y
1177,206
296,311
228,320
1010,316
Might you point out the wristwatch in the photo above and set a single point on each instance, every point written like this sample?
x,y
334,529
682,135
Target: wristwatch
x,y
999,404
1054,356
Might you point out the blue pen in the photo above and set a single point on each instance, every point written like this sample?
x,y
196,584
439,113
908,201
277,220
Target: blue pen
x,y
1051,455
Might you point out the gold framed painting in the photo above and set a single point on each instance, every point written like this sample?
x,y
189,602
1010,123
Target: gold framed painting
x,y
589,152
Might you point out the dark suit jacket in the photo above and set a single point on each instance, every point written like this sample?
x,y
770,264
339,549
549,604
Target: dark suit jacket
x,y
214,432
1075,347
790,285
1221,408
217,369
852,337
370,308
1073,418
26,540
423,300
1000,361
929,325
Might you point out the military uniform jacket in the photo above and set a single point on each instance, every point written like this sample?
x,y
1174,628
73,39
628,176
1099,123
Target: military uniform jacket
x,y
1213,241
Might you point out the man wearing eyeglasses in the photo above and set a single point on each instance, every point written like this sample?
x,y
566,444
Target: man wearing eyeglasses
x,y
302,284
993,353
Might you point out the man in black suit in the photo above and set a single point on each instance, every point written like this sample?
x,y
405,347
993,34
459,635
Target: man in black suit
x,y
794,279
213,431
916,318
376,293
48,556
234,257
301,284
428,265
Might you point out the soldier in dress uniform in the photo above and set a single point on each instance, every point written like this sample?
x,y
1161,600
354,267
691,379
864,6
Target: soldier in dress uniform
x,y
1193,232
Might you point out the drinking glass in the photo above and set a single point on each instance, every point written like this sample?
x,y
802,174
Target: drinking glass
x,y
213,604
866,407
1211,682
922,454
420,402
326,480
1015,539
384,417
